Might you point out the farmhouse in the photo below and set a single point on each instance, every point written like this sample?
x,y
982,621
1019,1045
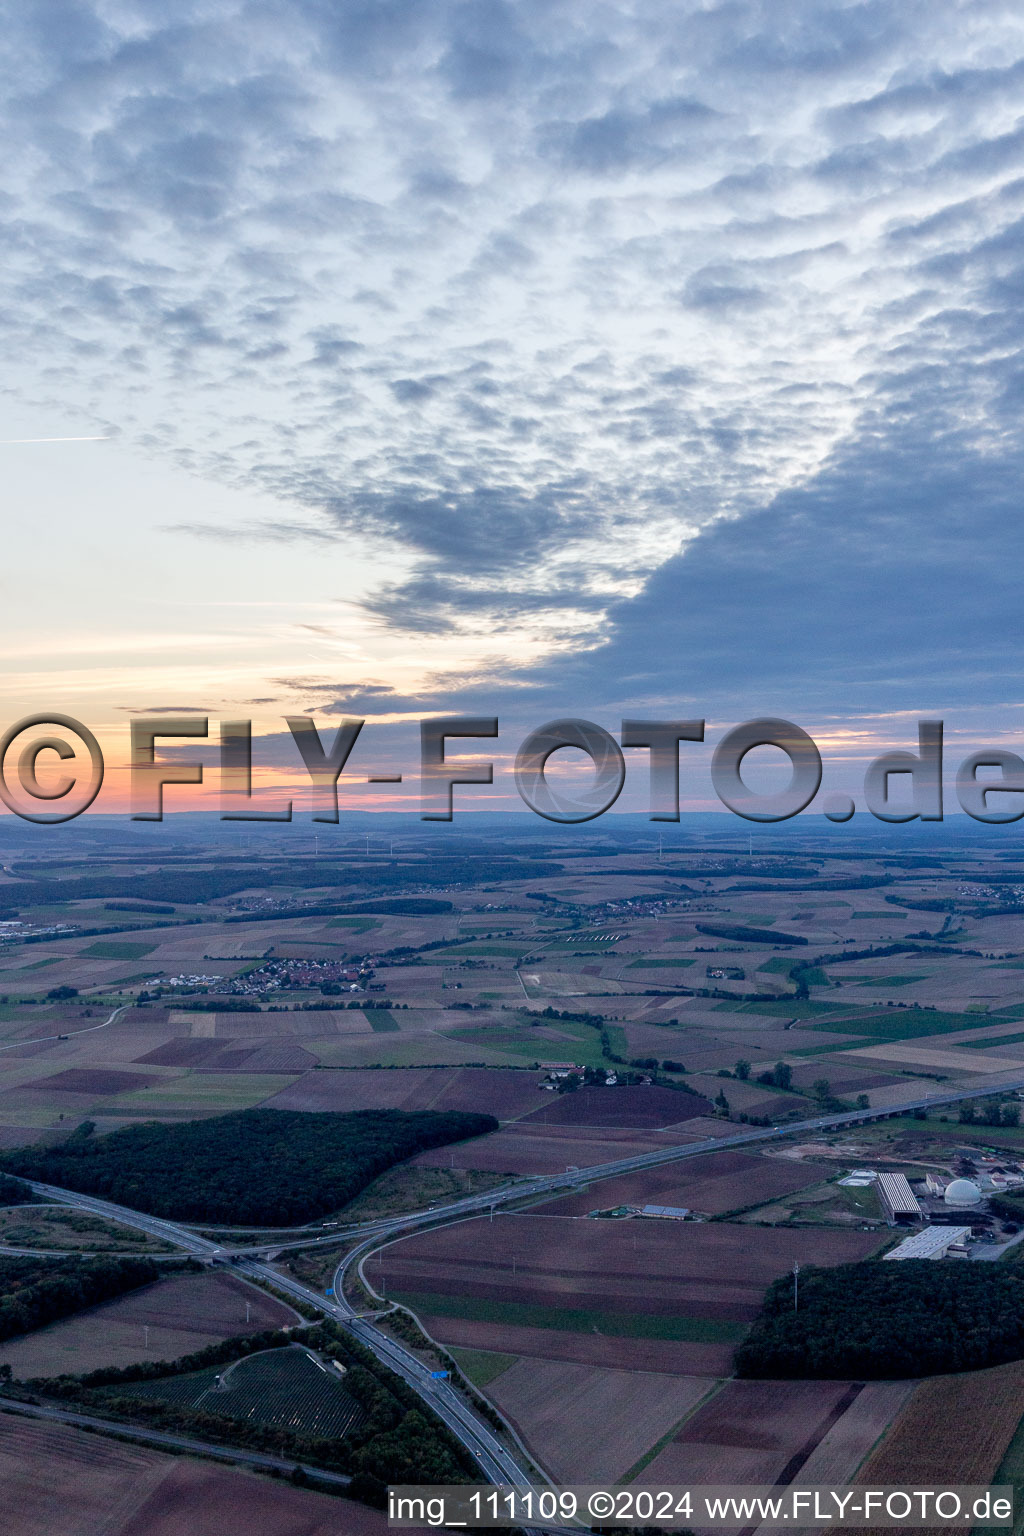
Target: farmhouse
x,y
932,1243
897,1199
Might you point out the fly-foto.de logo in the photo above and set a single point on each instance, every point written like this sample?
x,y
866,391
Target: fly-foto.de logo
x,y
52,769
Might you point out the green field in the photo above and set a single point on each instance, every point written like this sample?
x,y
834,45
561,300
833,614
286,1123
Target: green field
x,y
381,1022
505,948
357,924
787,1008
481,1365
192,1095
116,949
908,1023
950,1132
645,964
814,976
621,1325
991,1044
583,1046
509,1042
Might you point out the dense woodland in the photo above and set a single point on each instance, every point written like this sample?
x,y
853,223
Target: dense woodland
x,y
398,1440
35,1291
15,1191
874,1320
746,935
259,1167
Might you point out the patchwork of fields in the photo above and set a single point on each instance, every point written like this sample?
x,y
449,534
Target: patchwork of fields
x,y
607,1342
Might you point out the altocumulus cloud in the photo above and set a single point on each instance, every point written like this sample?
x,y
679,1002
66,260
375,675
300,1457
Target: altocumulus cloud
x,y
679,330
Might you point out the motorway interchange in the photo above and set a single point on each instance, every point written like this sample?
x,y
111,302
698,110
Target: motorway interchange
x,y
500,1463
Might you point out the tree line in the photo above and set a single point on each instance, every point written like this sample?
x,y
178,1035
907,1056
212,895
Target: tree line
x,y
877,1321
36,1291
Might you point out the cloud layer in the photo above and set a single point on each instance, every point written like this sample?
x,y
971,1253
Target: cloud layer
x,y
688,332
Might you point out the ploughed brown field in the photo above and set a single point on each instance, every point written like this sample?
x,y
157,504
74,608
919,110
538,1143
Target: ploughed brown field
x,y
711,1184
526,1149
591,1424
754,1432
849,1441
93,1081
662,1357
506,1094
640,1269
659,1267
274,1056
182,1313
954,1429
108,1489
645,1107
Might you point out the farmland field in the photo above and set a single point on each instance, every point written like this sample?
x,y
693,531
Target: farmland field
x,y
539,1285
754,1432
844,1447
616,1415
523,1149
605,1340
927,1439
162,1322
119,949
927,1443
710,1184
126,1490
639,1108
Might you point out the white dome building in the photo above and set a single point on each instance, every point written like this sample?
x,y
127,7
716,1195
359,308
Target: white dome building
x,y
962,1192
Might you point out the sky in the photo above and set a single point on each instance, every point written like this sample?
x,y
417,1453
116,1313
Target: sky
x,y
536,360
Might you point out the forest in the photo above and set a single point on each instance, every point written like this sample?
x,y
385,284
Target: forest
x,y
259,1167
746,935
878,1321
15,1192
35,1291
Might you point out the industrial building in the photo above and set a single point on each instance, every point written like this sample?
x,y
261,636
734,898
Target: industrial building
x,y
932,1243
666,1212
962,1193
898,1201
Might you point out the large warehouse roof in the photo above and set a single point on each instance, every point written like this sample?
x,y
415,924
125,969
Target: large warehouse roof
x,y
932,1243
897,1195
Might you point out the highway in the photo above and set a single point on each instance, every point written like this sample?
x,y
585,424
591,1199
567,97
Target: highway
x,y
531,1188
498,1463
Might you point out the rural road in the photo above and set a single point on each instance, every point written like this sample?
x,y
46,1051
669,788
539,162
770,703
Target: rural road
x,y
159,1439
68,1034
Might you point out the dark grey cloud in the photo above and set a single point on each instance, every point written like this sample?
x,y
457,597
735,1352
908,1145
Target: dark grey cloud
x,y
696,316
